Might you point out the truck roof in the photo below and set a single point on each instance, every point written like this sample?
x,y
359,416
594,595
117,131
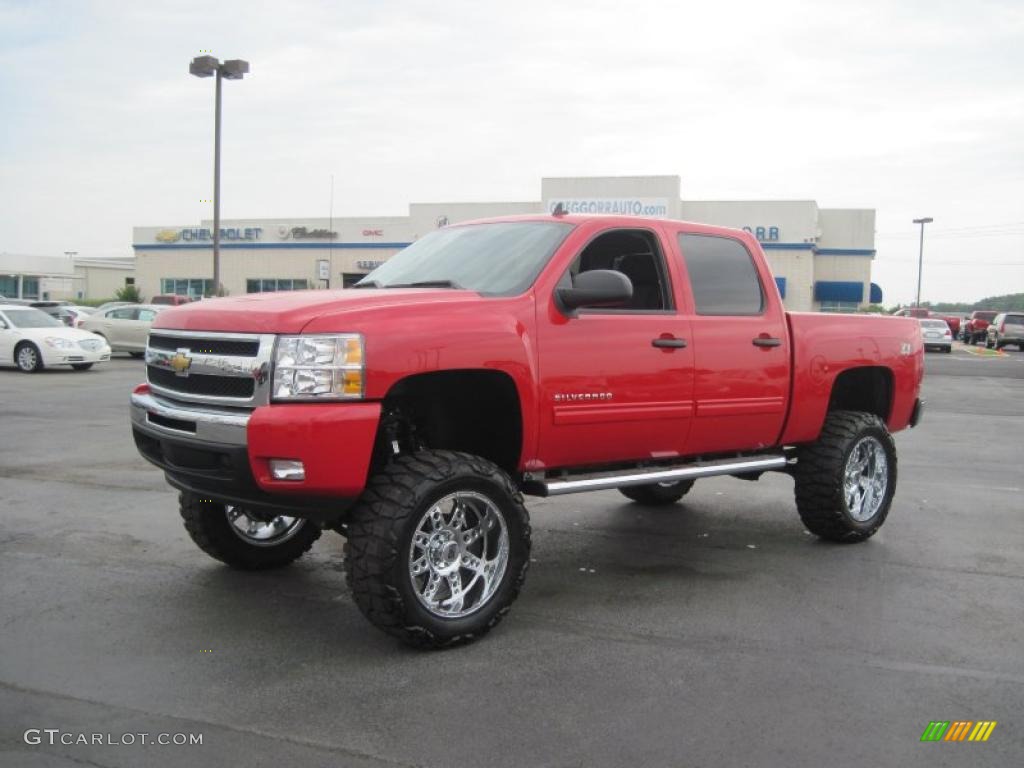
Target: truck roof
x,y
616,219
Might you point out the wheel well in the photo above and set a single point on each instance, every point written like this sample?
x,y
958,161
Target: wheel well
x,y
867,389
475,411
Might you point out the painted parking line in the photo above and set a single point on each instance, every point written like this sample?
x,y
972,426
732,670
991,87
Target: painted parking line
x,y
983,351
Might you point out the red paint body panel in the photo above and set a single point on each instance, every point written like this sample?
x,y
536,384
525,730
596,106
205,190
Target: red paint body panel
x,y
825,345
720,393
334,443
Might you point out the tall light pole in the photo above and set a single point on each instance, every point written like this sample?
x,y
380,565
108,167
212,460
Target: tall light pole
x,y
920,256
233,69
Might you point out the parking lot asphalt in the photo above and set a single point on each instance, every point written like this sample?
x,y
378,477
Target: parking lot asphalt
x,y
715,632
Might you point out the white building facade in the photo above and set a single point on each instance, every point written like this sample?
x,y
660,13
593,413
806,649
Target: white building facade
x,y
43,278
821,257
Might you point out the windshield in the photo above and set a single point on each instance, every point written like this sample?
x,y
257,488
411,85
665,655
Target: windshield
x,y
501,259
31,318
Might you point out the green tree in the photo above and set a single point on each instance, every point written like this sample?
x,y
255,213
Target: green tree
x,y
129,293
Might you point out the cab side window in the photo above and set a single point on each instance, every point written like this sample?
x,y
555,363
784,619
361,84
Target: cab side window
x,y
634,253
147,315
722,274
123,313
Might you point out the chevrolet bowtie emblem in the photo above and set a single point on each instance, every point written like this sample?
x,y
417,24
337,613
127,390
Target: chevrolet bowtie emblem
x,y
181,362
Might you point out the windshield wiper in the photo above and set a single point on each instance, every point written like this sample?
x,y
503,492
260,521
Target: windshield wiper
x,y
428,284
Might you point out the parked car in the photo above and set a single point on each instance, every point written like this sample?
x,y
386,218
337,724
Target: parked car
x,y
977,325
111,304
52,308
1006,328
171,299
936,334
913,312
954,322
542,355
32,340
125,328
74,316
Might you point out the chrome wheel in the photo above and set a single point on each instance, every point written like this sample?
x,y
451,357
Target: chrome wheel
x,y
458,554
262,532
866,479
28,358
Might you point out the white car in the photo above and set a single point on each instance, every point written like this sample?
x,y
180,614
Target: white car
x,y
935,334
31,340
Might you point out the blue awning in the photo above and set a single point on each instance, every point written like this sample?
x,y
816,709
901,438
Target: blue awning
x,y
781,282
876,293
838,290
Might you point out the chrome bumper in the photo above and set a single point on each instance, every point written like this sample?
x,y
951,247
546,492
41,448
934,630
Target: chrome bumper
x,y
205,424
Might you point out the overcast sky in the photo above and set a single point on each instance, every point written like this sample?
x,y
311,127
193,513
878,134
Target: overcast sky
x,y
911,108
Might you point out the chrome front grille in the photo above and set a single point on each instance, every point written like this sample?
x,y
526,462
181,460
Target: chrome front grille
x,y
226,369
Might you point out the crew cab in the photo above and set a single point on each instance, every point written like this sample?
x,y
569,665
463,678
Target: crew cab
x,y
540,355
976,327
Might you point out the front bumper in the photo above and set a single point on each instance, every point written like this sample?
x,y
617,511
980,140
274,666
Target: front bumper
x,y
76,356
224,453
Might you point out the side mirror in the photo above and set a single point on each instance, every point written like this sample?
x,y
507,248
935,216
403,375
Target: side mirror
x,y
596,288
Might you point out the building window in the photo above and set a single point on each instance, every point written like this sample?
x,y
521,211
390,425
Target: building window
x,y
193,287
30,288
348,279
129,281
9,286
839,306
272,285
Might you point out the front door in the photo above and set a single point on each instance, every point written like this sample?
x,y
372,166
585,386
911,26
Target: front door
x,y
616,384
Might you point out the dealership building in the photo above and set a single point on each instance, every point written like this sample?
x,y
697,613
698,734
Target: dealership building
x,y
821,257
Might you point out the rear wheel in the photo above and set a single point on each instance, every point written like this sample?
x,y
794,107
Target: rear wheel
x,y
244,539
845,481
28,358
657,494
438,547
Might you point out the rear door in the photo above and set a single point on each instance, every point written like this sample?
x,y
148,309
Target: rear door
x,y
741,344
139,333
117,326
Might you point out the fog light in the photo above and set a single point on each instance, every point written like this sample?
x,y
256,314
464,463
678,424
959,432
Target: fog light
x,y
287,469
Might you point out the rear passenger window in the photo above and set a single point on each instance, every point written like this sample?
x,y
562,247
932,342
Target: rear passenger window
x,y
722,276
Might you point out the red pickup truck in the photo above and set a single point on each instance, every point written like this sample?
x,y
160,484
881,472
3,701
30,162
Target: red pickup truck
x,y
541,355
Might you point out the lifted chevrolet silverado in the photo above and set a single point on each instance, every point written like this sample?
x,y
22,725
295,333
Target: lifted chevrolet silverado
x,y
533,355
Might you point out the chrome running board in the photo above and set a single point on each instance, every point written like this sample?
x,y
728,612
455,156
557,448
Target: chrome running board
x,y
608,480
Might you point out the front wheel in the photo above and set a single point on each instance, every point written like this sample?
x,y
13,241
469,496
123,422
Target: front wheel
x,y
28,358
845,480
657,494
438,547
243,538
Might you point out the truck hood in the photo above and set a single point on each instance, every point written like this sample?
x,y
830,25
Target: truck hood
x,y
291,311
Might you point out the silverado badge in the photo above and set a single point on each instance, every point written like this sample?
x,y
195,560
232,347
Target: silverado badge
x,y
181,362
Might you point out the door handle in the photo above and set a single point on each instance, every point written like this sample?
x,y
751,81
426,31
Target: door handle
x,y
670,343
767,341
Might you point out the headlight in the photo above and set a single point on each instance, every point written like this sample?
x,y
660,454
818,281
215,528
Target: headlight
x,y
58,343
319,367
